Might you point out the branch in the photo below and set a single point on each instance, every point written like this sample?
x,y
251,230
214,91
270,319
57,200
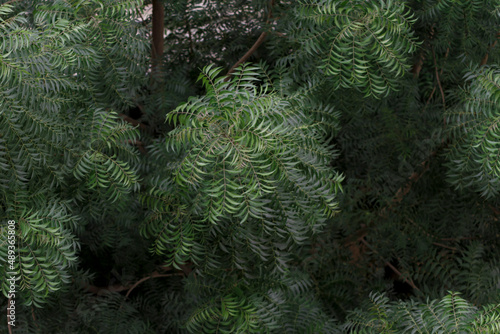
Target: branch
x,y
445,246
437,76
158,32
352,243
248,54
495,210
34,318
153,275
255,46
459,238
119,287
387,263
102,290
414,177
134,122
139,144
417,66
485,59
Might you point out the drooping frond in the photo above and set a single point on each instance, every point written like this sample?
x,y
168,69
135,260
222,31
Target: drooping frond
x,y
362,44
251,162
61,145
451,314
474,161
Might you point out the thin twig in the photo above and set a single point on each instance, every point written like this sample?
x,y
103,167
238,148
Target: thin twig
x,y
34,318
417,66
435,86
387,263
134,122
437,77
119,288
430,97
485,59
414,177
431,236
458,239
255,46
445,246
139,144
153,275
101,290
247,55
495,210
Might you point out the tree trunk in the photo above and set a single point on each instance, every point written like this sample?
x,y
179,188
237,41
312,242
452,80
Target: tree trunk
x,y
158,35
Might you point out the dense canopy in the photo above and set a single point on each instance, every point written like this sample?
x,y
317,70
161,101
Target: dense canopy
x,y
250,166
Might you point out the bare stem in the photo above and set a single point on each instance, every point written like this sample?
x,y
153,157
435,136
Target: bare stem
x,y
387,263
255,46
247,55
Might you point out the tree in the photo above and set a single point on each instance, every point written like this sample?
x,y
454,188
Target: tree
x,y
344,181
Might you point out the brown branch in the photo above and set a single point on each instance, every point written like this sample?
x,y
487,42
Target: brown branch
x,y
255,46
430,97
485,59
414,177
158,32
459,238
417,66
102,290
445,246
437,76
495,210
435,86
247,55
34,318
136,143
153,275
438,81
352,243
139,144
432,236
387,263
134,122
119,287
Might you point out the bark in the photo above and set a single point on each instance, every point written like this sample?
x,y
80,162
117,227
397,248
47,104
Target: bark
x,y
158,34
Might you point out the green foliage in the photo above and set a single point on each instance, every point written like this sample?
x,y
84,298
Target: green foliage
x,y
452,314
269,304
324,190
361,44
468,27
53,96
474,159
243,150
